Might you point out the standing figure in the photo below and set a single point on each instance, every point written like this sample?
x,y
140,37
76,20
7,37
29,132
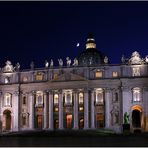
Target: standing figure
x,y
51,63
106,60
75,62
60,62
46,64
68,61
32,65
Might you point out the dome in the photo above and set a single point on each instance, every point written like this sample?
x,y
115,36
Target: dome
x,y
91,56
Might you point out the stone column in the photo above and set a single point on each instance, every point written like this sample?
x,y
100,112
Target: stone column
x,y
16,111
107,107
1,113
86,113
145,102
126,101
31,109
92,110
50,110
45,108
60,110
75,110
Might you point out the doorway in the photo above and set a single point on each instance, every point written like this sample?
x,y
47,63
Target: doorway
x,y
136,118
69,121
39,121
7,120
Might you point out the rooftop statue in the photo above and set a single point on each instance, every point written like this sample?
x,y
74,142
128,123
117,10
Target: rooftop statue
x,y
46,64
60,62
75,62
9,67
32,65
135,58
123,59
17,67
90,61
146,59
68,61
106,60
51,63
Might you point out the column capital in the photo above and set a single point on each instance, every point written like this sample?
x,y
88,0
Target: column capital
x,y
145,88
86,90
107,89
124,88
33,92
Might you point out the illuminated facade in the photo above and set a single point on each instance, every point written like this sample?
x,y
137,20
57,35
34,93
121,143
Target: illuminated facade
x,y
89,93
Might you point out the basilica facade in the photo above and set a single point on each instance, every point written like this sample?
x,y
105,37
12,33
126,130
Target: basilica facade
x,y
88,93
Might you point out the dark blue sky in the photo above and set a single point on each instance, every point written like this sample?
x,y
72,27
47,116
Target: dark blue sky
x,y
36,31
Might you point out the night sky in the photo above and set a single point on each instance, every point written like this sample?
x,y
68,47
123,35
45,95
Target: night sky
x,y
36,31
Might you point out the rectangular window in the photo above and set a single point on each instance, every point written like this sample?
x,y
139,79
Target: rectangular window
x,y
136,95
56,98
115,74
55,76
24,100
136,71
81,98
39,77
99,74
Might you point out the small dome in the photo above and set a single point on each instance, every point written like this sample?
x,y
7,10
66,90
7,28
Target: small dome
x,y
91,56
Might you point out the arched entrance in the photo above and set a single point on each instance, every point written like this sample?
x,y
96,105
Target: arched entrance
x,y
7,120
136,116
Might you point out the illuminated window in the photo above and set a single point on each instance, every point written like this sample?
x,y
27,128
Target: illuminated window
x,y
39,98
80,98
7,99
55,76
115,74
25,79
39,77
99,74
136,71
81,108
7,80
56,98
56,109
24,100
136,94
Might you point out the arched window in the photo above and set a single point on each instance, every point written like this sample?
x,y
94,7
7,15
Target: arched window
x,y
7,99
39,98
81,98
137,94
68,98
56,98
99,96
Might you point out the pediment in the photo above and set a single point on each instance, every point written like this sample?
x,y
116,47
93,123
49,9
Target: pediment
x,y
69,77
